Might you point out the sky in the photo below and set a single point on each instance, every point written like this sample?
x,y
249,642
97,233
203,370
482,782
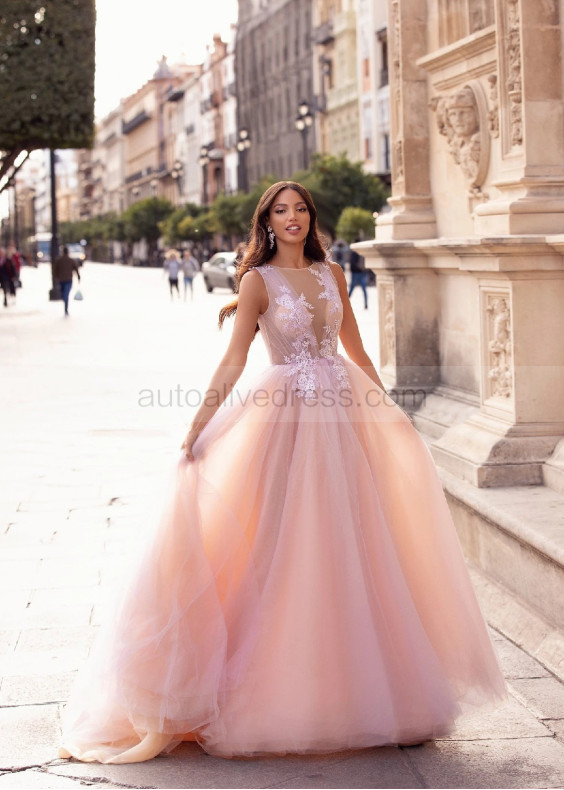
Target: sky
x,y
132,36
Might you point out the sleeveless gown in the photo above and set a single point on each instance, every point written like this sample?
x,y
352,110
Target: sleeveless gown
x,y
305,590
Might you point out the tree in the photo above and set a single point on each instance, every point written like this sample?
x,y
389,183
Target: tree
x,y
142,219
169,227
355,223
336,183
198,228
46,76
228,212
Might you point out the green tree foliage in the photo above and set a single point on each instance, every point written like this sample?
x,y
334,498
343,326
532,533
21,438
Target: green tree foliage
x,y
355,223
141,220
336,183
46,74
170,226
228,212
197,228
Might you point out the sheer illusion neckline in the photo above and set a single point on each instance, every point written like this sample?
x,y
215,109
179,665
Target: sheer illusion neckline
x,y
291,268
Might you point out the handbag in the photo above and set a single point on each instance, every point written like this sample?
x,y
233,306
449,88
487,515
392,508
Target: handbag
x,y
78,296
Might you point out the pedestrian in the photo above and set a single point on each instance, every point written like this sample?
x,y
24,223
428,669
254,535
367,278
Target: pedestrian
x,y
305,590
6,276
190,267
339,253
172,267
359,274
16,258
63,269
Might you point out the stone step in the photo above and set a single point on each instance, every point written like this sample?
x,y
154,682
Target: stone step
x,y
515,538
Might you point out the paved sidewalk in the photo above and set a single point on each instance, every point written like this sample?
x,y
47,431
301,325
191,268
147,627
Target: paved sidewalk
x,y
81,461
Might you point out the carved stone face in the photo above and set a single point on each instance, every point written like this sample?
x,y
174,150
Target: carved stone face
x,y
462,113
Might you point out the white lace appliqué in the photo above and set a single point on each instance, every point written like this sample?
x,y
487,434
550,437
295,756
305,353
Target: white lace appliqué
x,y
298,316
328,345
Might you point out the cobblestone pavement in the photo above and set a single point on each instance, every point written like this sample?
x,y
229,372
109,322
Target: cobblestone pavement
x,y
80,457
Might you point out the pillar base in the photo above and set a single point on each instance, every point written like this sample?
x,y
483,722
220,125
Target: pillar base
x,y
489,453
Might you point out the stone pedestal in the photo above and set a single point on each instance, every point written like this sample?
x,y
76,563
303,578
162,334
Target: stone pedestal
x,y
470,272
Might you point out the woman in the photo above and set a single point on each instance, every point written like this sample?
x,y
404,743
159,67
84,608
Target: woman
x,y
305,591
172,267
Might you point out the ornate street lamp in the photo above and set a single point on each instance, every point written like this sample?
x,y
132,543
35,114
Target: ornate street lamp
x,y
154,183
177,173
204,161
304,120
243,145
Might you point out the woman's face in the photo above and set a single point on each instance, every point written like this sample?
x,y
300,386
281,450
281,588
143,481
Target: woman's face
x,y
289,217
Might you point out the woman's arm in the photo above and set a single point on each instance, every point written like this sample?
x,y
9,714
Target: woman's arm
x,y
349,334
252,295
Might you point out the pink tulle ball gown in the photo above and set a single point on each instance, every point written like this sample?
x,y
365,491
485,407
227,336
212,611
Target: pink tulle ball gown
x,y
305,590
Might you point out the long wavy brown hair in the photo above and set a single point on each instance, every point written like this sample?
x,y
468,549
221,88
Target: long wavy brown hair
x,y
258,250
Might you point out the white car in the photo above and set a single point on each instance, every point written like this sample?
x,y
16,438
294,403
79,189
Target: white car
x,y
219,271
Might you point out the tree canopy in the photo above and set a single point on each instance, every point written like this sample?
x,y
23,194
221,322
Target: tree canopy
x,y
46,75
355,223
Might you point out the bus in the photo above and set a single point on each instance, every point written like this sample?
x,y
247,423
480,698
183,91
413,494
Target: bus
x,y
40,247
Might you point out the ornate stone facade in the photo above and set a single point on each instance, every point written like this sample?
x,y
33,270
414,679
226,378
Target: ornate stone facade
x,y
470,259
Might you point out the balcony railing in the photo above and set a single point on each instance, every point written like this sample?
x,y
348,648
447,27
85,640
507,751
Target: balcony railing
x,y
137,120
323,34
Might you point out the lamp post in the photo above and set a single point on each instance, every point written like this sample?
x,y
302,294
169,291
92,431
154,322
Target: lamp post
x,y
177,172
243,145
204,161
304,120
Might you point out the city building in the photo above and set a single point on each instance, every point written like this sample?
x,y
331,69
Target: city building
x,y
188,172
336,77
373,87
274,86
109,154
148,135
212,149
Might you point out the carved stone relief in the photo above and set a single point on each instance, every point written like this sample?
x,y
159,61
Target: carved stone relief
x,y
513,56
480,14
388,346
397,148
462,118
500,357
493,113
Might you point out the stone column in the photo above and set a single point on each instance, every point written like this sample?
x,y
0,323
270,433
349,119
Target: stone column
x,y
530,169
521,417
412,212
408,315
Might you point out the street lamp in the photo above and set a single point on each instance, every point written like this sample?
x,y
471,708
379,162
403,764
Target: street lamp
x,y
304,120
154,184
177,172
243,145
204,161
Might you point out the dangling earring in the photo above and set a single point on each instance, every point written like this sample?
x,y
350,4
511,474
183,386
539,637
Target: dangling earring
x,y
271,236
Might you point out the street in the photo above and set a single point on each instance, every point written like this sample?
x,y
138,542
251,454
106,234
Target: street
x,y
84,458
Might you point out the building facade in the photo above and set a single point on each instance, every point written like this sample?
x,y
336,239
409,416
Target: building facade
x,y
335,61
373,87
274,76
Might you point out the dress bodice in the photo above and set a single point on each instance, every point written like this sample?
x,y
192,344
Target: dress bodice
x,y
301,324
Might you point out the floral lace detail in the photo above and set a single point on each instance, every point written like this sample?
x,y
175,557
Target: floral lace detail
x,y
328,345
304,364
323,277
297,315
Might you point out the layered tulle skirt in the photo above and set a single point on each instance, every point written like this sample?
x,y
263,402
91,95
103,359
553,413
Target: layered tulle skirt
x,y
305,591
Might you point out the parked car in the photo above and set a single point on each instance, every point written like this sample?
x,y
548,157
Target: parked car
x,y
219,271
76,252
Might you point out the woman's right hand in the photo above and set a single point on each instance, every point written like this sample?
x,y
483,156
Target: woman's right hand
x,y
188,442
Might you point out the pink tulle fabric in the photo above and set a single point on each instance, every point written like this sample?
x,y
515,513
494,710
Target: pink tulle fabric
x,y
305,590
